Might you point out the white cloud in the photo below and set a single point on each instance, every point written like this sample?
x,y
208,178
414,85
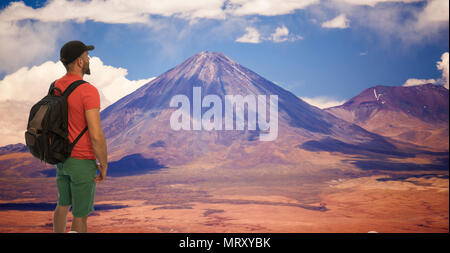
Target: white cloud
x,y
340,22
372,3
19,23
251,36
281,34
322,101
33,83
407,21
111,81
113,11
29,36
22,25
23,88
443,66
126,12
415,82
436,11
266,7
26,43
12,126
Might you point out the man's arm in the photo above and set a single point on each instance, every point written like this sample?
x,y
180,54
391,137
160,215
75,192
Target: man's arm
x,y
98,141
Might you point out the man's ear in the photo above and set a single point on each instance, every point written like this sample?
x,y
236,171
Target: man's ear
x,y
80,62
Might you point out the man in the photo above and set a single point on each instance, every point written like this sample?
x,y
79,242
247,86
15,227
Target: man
x,y
76,178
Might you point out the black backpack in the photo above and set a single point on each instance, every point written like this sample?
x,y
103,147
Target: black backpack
x,y
47,135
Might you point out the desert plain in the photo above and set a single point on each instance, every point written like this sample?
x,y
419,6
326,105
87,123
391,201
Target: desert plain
x,y
327,195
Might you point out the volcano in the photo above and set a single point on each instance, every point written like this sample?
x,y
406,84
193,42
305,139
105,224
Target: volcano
x,y
139,123
416,114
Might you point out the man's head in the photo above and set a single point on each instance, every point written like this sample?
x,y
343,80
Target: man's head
x,y
74,56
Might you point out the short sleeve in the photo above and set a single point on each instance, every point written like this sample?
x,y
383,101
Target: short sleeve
x,y
90,97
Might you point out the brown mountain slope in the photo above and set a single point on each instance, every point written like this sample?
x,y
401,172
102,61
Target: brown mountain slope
x,y
416,114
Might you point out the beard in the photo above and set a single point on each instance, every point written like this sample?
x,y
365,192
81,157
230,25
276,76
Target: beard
x,y
86,69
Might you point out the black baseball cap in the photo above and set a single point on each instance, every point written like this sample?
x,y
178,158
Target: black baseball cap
x,y
72,50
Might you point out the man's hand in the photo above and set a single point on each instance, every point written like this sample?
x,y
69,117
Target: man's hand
x,y
102,175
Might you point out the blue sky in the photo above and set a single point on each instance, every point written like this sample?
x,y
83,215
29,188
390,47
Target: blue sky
x,y
379,43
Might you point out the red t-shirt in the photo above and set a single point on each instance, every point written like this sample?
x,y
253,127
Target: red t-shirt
x,y
83,98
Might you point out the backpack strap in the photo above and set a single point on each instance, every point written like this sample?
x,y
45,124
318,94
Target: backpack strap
x,y
72,87
52,87
69,89
67,93
77,139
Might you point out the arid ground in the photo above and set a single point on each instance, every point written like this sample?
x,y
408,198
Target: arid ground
x,y
323,196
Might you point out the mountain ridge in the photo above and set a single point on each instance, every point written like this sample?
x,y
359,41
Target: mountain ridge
x,y
416,114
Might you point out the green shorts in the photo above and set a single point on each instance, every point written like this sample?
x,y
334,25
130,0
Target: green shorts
x,y
76,186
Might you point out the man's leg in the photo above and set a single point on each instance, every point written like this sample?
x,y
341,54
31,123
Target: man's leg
x,y
60,219
64,200
79,224
83,191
